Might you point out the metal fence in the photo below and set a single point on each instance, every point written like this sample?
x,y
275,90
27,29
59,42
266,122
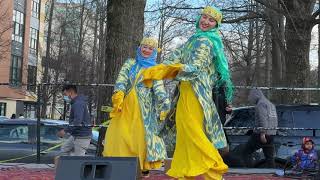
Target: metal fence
x,y
98,105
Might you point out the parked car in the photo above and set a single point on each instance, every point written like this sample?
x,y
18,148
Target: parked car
x,y
18,139
3,118
286,141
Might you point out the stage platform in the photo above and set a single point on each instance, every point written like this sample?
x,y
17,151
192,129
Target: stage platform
x,y
12,171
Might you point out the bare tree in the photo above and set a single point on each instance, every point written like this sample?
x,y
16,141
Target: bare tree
x,y
46,61
245,42
275,22
300,19
167,20
72,33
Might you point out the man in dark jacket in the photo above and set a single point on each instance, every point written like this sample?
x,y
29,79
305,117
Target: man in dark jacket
x,y
78,133
266,117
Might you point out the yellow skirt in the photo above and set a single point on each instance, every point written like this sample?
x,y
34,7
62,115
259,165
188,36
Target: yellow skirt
x,y
125,136
194,154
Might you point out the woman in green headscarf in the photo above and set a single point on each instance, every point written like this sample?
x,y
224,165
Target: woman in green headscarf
x,y
199,131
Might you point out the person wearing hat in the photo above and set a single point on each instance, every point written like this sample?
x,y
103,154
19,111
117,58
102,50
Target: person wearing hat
x,y
199,130
266,124
133,129
306,157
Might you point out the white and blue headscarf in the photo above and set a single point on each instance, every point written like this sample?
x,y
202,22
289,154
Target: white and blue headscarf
x,y
143,62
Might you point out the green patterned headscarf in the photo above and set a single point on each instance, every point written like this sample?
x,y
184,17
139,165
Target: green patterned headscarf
x,y
220,62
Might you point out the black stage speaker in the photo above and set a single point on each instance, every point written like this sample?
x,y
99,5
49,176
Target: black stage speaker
x,y
97,168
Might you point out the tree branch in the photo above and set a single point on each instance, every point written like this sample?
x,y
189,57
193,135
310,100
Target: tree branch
x,y
232,9
315,14
183,19
316,21
174,7
243,18
272,7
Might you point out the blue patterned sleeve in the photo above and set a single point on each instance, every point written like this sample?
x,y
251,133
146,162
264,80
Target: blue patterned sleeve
x,y
175,57
162,96
123,77
200,59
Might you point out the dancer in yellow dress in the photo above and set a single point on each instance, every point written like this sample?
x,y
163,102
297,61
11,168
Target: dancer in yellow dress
x,y
199,130
133,130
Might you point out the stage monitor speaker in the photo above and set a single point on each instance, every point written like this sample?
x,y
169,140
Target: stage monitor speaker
x,y
97,168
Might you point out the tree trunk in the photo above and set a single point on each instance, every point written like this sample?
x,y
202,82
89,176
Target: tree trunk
x,y
276,21
81,27
319,62
58,67
318,92
257,68
248,57
94,57
45,79
54,96
125,22
298,37
268,57
161,34
297,62
276,56
282,47
101,60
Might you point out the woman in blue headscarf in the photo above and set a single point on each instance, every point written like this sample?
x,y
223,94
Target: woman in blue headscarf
x,y
199,65
133,130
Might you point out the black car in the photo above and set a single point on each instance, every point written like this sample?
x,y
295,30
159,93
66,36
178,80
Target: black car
x,y
18,140
287,142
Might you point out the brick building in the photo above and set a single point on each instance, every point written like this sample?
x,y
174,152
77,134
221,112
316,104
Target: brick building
x,y
21,40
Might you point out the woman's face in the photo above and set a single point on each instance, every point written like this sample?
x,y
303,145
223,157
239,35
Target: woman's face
x,y
146,51
207,22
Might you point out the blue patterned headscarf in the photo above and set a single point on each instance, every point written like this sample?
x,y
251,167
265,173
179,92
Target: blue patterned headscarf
x,y
143,62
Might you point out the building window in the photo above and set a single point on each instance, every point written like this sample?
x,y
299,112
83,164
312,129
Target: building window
x,y
18,26
3,108
32,78
16,70
35,9
33,41
30,110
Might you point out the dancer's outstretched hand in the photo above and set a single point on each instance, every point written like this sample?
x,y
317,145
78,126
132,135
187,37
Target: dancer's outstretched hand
x,y
117,101
160,72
